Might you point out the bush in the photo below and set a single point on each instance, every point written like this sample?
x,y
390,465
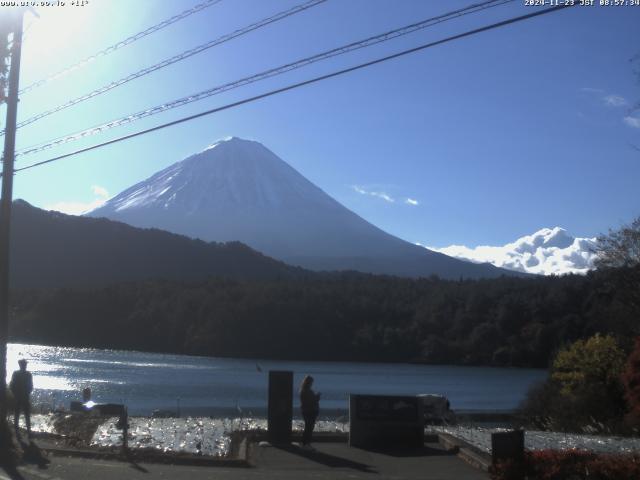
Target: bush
x,y
545,408
584,391
570,464
631,382
597,361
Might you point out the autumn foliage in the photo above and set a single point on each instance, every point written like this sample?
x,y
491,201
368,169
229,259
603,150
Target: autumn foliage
x,y
570,464
584,391
631,382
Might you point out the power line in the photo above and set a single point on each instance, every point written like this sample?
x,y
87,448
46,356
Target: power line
x,y
301,84
176,58
386,36
116,46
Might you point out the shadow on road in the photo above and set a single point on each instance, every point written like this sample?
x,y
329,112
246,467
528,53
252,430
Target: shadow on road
x,y
135,465
413,452
12,473
326,459
33,455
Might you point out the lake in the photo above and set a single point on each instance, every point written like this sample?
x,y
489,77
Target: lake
x,y
232,386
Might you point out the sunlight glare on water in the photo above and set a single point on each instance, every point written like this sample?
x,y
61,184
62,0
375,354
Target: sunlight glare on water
x,y
46,374
206,386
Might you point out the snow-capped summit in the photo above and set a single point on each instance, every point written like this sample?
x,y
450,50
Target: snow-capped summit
x,y
238,189
548,251
229,173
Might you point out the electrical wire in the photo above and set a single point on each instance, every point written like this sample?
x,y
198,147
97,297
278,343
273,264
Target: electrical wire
x,y
303,83
386,36
176,58
116,46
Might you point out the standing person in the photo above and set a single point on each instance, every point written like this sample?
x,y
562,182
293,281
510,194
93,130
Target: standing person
x,y
21,387
310,406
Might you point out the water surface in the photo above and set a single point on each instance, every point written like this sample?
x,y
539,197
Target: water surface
x,y
232,386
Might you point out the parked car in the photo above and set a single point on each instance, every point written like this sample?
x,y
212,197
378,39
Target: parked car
x,y
437,409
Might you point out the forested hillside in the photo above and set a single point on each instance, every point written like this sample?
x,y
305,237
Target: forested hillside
x,y
51,249
348,316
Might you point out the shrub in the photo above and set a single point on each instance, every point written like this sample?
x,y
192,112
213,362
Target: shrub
x,y
584,391
570,464
631,382
545,408
597,361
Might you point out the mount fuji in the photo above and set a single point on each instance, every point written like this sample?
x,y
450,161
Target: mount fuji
x,y
238,190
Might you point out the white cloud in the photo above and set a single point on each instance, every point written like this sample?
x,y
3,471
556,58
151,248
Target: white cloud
x,y
591,90
615,101
608,99
78,208
632,121
382,195
100,191
548,251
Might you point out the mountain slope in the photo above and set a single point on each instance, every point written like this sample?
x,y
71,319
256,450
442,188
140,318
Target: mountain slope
x,y
239,190
50,249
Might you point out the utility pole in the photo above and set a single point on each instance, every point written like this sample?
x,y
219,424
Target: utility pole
x,y
6,200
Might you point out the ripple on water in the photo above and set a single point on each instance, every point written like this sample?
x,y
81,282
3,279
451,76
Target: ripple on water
x,y
537,440
205,436
212,436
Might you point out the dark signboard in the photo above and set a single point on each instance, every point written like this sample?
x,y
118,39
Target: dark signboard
x,y
280,406
385,422
507,446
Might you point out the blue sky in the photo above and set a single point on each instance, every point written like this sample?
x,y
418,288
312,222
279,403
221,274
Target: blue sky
x,y
492,137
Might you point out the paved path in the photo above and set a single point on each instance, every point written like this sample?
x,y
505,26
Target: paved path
x,y
338,460
329,461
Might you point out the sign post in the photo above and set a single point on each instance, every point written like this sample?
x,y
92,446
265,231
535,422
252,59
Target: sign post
x,y
280,406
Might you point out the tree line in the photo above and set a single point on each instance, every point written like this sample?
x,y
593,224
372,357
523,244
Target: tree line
x,y
339,316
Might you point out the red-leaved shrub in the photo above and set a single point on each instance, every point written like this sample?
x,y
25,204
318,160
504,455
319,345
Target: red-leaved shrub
x,y
570,465
631,382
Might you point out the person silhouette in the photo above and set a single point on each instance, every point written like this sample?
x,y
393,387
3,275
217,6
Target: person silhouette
x,y
310,407
21,386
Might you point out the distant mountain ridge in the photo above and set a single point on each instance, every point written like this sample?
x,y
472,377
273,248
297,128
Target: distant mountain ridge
x,y
51,249
239,190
